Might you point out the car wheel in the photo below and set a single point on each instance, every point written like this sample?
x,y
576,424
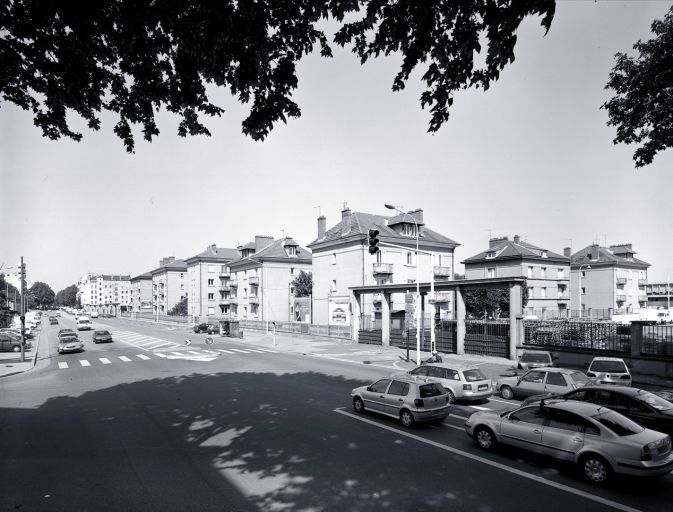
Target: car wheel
x,y
485,438
596,469
16,348
407,418
358,405
506,392
452,397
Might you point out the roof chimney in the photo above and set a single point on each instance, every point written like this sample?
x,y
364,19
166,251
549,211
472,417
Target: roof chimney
x,y
494,242
517,239
261,242
321,226
345,213
595,253
166,260
566,252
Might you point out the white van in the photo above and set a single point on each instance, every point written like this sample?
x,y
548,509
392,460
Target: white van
x,y
84,324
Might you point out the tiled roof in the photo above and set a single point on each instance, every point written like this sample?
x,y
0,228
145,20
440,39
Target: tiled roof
x,y
249,245
146,275
276,250
176,266
508,249
605,256
214,252
359,223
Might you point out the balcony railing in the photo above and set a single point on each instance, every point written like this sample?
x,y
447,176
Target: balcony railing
x,y
253,300
439,297
253,280
225,274
563,296
642,282
225,288
621,298
383,268
233,283
621,280
442,271
228,301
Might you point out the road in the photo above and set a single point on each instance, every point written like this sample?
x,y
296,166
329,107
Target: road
x,y
146,423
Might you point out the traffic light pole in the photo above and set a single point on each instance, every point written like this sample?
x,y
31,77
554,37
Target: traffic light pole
x,y
23,310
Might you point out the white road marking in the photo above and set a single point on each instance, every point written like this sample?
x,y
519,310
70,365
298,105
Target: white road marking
x,y
125,359
253,350
160,354
457,416
514,403
193,352
268,350
176,353
62,365
224,351
453,426
104,360
239,350
84,362
480,408
142,356
157,344
210,352
147,343
502,467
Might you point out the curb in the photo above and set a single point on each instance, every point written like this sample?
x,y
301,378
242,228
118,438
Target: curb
x,y
33,361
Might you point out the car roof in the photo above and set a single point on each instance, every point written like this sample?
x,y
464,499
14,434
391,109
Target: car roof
x,y
603,358
624,390
528,351
417,379
453,366
583,408
555,370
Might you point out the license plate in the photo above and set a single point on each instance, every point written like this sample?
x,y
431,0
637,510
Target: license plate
x,y
482,387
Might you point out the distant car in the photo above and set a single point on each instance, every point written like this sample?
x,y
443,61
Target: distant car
x,y
63,332
102,337
461,382
57,314
209,328
93,314
609,370
645,408
53,320
83,324
407,398
535,359
540,381
9,342
69,343
599,440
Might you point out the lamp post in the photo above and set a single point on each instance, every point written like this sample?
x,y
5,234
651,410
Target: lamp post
x,y
580,287
418,289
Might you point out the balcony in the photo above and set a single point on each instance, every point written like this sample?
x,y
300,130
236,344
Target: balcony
x,y
642,298
233,283
642,282
253,300
563,296
225,288
228,301
383,268
442,271
377,298
225,274
621,298
439,297
253,280
621,280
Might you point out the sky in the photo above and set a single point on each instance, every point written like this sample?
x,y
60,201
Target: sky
x,y
531,156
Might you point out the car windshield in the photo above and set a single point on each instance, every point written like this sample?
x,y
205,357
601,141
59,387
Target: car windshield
x,y
654,401
102,333
620,425
430,390
579,377
527,357
608,366
474,375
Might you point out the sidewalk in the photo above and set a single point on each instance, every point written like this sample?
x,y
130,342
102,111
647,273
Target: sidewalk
x,y
13,365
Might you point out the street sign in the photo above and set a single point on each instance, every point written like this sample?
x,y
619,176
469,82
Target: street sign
x,y
188,342
209,341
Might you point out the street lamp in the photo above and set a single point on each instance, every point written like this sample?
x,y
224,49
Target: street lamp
x,y
418,289
580,287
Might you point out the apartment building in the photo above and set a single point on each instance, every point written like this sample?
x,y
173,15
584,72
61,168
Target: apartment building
x,y
169,284
547,273
608,280
203,276
258,285
141,293
659,295
107,293
341,260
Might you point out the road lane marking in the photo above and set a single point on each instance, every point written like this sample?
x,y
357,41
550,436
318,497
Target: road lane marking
x,y
84,362
480,408
239,350
513,403
104,360
457,416
177,353
268,350
498,465
453,426
62,365
157,344
253,350
210,352
160,354
142,356
224,351
125,359
147,343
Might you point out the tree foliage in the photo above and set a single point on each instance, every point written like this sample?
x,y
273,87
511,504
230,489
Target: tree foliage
x,y
68,297
303,284
134,57
642,107
8,292
41,295
491,302
180,308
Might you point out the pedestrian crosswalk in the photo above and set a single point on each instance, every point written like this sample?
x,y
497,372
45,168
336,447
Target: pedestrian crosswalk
x,y
84,363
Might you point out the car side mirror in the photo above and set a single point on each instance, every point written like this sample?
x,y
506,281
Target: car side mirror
x,y
369,388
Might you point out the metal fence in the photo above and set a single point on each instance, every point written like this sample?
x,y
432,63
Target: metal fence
x,y
591,335
487,337
332,331
657,340
152,316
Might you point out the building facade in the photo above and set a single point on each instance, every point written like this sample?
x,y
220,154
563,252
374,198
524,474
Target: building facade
x,y
341,260
547,273
203,274
141,293
169,285
105,293
608,280
659,295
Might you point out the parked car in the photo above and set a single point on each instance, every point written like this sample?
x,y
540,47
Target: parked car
x,y
407,398
93,314
9,342
57,314
69,343
102,337
599,440
62,332
609,370
209,328
540,381
460,381
645,408
535,359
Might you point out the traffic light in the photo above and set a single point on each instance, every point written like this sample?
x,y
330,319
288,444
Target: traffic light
x,y
373,241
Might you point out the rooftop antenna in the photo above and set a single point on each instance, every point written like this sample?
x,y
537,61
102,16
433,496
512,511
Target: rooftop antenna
x,y
283,232
319,213
490,233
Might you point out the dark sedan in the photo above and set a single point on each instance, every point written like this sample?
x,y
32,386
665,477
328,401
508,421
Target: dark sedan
x,y
102,337
649,410
209,328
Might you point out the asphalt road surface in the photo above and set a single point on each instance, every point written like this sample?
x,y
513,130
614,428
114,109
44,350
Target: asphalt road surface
x,y
147,423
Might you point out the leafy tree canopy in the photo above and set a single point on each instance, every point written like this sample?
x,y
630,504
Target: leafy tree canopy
x,y
133,57
68,297
8,292
42,295
303,284
491,302
642,107
180,308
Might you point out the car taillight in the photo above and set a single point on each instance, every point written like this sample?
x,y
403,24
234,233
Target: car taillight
x,y
626,377
418,402
467,387
591,374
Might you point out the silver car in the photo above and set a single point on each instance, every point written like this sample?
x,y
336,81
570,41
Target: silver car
x,y
410,399
461,382
599,440
535,359
609,370
540,381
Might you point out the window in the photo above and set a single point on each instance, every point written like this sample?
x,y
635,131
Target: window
x,y
333,258
333,286
531,293
409,229
435,371
543,272
584,273
211,296
380,386
556,379
560,274
421,370
181,276
543,254
399,388
291,250
211,311
211,268
530,271
410,259
378,256
584,290
490,255
211,282
291,271
534,415
534,377
565,420
490,272
543,293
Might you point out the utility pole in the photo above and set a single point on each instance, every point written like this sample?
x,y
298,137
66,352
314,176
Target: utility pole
x,y
22,275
